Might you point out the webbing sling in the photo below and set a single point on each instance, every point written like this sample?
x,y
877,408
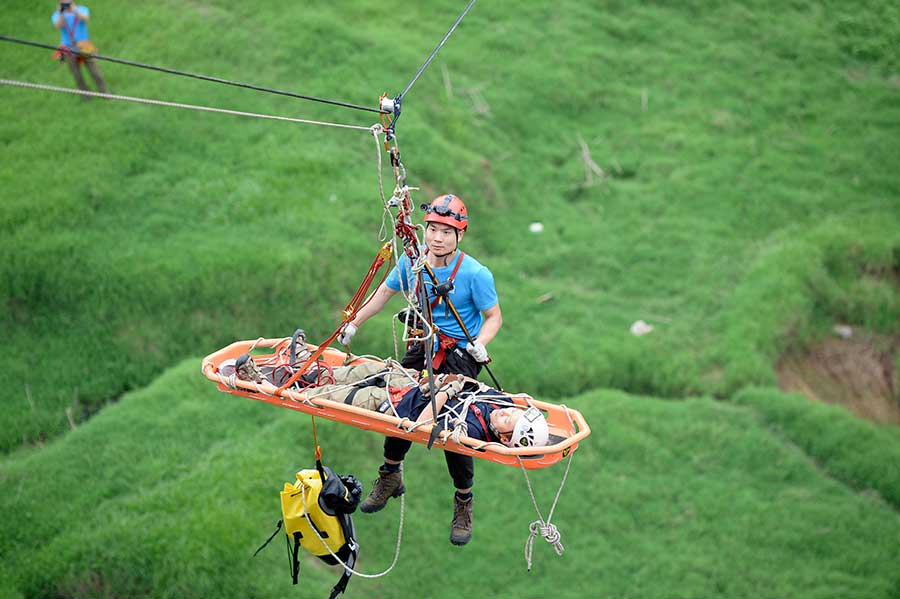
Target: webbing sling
x,y
445,342
484,426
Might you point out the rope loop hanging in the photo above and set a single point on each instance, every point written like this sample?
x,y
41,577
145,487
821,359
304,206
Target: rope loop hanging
x,y
347,568
540,526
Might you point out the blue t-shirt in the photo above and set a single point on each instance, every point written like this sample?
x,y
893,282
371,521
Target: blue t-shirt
x,y
473,292
78,27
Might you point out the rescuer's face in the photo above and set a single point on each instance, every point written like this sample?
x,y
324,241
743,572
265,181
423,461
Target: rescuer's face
x,y
442,239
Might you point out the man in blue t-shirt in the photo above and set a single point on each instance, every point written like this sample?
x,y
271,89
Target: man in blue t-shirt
x,y
71,20
474,296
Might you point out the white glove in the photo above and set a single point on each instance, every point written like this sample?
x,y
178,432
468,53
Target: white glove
x,y
452,384
477,351
347,333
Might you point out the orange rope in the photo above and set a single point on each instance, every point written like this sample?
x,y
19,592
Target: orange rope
x,y
316,439
384,253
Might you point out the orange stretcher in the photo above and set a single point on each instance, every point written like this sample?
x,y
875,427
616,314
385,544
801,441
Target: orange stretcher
x,y
567,426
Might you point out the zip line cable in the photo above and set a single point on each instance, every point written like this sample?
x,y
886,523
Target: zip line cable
x,y
7,38
254,115
436,49
169,71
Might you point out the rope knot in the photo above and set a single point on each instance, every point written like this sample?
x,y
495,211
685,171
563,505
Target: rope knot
x,y
460,429
550,534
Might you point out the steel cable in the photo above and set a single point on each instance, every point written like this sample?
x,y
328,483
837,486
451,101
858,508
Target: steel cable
x,y
436,49
169,71
254,115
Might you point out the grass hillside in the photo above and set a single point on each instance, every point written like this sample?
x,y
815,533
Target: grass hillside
x,y
170,491
751,196
749,201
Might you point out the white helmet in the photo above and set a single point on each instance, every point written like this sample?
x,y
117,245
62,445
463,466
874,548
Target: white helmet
x,y
531,430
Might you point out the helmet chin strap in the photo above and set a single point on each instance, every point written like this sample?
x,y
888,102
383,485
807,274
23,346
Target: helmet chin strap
x,y
443,256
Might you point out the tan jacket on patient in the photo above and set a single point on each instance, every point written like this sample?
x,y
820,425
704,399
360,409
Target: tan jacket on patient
x,y
369,397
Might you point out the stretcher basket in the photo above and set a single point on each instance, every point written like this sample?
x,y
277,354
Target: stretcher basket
x,y
567,426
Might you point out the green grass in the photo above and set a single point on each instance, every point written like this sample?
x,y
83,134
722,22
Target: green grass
x,y
752,203
863,455
170,491
748,193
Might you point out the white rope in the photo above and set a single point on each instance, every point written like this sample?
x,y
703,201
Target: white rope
x,y
382,234
401,190
394,333
412,301
540,526
80,92
231,382
550,534
346,567
335,387
257,342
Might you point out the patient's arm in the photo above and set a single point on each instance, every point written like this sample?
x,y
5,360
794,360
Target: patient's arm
x,y
439,400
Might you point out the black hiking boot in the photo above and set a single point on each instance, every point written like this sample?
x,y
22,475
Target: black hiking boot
x,y
387,485
247,370
461,527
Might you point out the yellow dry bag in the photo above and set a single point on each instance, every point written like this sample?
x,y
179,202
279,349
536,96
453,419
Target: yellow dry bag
x,y
319,528
315,513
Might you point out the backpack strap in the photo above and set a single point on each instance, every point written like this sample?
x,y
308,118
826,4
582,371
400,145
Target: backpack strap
x,y
295,556
71,31
351,549
269,540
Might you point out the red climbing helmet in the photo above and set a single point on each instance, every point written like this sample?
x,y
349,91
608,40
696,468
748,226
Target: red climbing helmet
x,y
448,210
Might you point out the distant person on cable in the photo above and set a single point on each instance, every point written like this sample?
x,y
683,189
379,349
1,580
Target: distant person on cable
x,y
71,20
475,298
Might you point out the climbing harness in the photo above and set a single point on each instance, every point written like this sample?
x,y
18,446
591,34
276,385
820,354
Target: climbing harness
x,y
79,51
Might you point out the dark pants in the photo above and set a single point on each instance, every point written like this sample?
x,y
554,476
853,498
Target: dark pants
x,y
456,361
91,65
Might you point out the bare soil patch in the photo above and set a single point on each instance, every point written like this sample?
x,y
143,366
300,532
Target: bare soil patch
x,y
856,372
